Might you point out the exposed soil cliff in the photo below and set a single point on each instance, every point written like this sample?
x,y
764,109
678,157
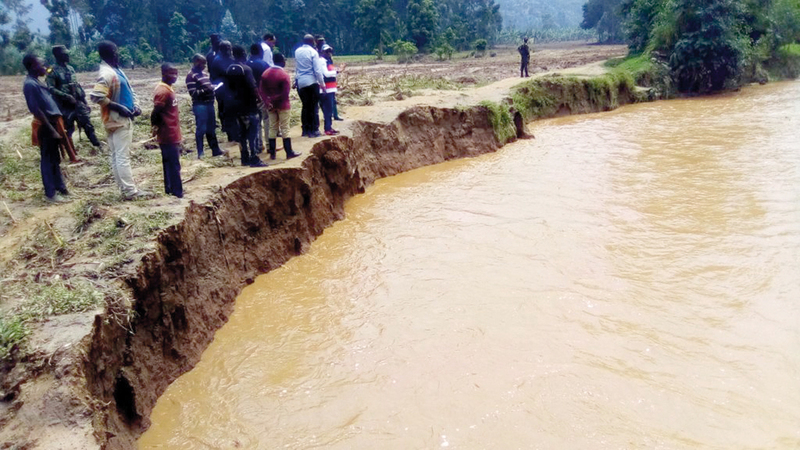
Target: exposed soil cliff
x,y
185,290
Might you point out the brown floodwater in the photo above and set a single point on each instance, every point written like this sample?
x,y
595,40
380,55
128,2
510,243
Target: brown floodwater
x,y
626,280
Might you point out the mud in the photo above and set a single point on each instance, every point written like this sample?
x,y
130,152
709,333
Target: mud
x,y
100,392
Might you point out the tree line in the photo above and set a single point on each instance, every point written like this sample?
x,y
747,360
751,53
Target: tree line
x,y
149,31
707,45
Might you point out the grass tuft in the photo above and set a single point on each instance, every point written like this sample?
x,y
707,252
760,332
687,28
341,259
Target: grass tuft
x,y
501,120
13,332
60,297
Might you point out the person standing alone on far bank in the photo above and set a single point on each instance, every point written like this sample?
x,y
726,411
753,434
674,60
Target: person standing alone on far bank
x,y
525,54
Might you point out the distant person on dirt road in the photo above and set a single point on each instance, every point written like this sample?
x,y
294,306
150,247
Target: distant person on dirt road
x,y
69,95
274,90
118,106
525,54
309,84
202,93
45,111
167,129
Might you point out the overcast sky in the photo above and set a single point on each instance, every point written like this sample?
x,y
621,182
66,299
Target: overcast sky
x,y
37,18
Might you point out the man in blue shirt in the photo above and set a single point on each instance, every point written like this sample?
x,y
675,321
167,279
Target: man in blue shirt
x,y
44,109
309,84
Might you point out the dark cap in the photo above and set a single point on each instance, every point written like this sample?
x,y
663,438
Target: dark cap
x,y
59,50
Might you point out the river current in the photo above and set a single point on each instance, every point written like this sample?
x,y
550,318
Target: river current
x,y
629,279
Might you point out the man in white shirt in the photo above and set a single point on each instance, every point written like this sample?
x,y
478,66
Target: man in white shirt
x,y
267,45
309,85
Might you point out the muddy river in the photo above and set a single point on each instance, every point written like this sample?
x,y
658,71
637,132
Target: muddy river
x,y
626,280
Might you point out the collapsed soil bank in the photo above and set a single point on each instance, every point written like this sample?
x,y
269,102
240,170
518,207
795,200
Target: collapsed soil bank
x,y
185,290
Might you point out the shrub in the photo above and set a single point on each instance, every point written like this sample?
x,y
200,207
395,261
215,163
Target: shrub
x,y
445,50
480,45
404,50
786,63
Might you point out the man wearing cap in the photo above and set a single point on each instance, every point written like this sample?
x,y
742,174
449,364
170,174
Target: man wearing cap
x,y
69,95
328,97
309,84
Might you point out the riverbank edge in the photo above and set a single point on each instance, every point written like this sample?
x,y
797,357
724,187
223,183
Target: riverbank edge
x,y
185,289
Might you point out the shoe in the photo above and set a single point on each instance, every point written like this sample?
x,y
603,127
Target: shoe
x,y
337,118
331,132
56,198
287,145
138,195
314,134
258,163
220,154
272,148
64,192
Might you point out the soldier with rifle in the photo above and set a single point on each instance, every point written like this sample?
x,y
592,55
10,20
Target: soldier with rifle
x,y
69,95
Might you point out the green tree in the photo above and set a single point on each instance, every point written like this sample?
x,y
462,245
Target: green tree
x,y
422,18
376,20
710,46
178,38
58,22
404,50
604,16
229,29
22,38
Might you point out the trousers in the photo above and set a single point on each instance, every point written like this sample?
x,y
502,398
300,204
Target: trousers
x,y
119,144
171,162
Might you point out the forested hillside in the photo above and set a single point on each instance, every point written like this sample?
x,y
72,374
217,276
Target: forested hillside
x,y
152,30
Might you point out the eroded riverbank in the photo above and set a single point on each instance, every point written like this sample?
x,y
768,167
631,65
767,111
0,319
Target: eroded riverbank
x,y
104,388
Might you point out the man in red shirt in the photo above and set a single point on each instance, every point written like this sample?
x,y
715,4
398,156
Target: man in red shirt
x,y
274,90
167,129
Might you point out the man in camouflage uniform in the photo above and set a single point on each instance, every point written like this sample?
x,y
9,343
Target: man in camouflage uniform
x,y
69,95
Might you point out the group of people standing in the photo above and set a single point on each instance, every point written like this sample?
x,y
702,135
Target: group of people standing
x,y
59,104
315,79
251,94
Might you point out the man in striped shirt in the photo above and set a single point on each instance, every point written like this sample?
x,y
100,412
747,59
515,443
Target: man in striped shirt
x,y
202,93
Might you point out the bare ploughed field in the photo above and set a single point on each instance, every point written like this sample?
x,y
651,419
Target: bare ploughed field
x,y
371,78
